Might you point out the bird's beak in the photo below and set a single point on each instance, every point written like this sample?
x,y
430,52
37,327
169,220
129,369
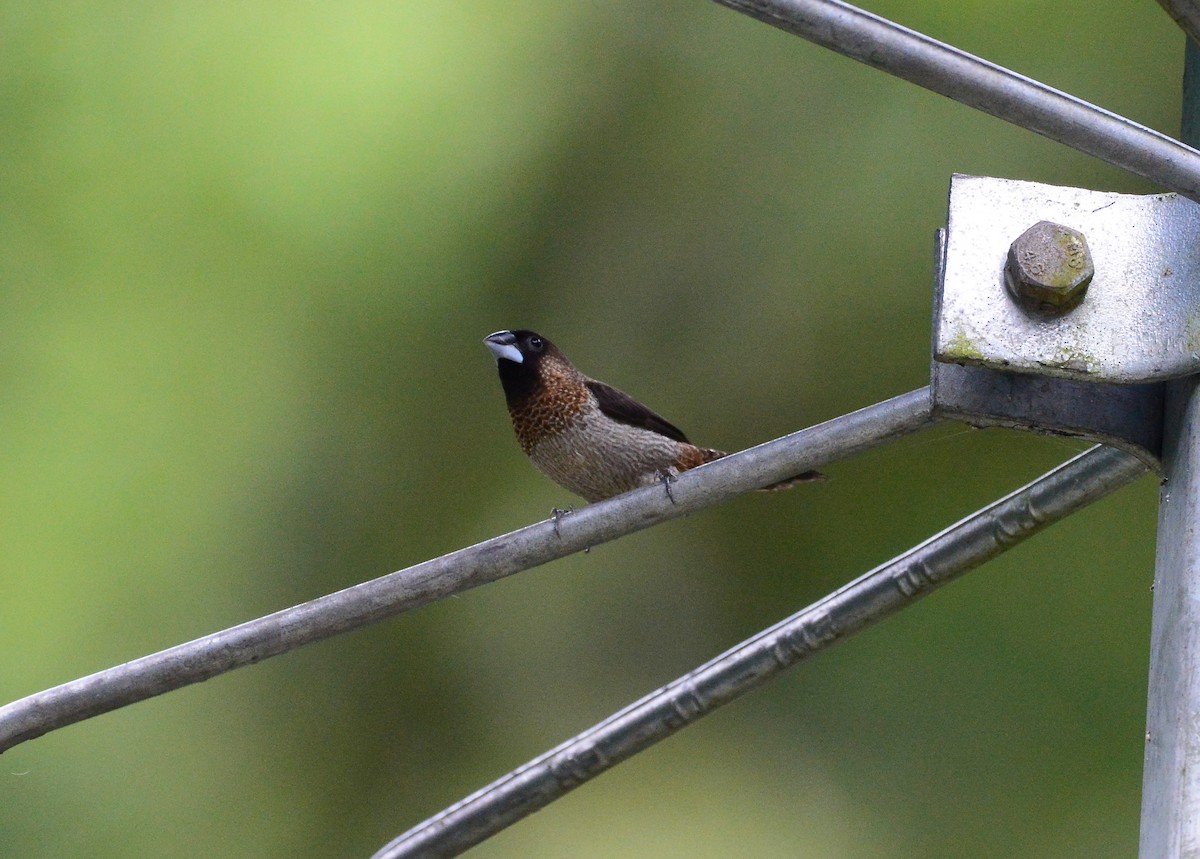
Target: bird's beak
x,y
504,346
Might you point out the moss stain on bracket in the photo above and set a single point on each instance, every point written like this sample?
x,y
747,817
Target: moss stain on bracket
x,y
962,348
1078,361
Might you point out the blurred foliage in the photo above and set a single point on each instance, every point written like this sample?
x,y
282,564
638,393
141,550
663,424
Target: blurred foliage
x,y
249,251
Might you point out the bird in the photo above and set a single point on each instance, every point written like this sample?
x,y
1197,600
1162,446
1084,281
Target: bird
x,y
588,437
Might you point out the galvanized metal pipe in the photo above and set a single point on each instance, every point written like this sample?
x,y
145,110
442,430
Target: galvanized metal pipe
x,y
1171,779
985,86
484,562
878,594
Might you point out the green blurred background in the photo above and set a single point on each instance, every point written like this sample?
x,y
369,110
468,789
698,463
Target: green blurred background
x,y
248,254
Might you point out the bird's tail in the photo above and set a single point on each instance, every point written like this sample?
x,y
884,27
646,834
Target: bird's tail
x,y
707,454
788,483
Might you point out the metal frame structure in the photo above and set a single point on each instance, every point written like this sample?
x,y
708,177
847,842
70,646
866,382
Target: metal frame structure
x,y
872,597
1144,406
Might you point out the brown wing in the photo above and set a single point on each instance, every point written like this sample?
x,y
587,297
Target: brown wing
x,y
621,407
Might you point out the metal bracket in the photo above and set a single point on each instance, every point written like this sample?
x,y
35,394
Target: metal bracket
x,y
1094,369
1125,416
1140,320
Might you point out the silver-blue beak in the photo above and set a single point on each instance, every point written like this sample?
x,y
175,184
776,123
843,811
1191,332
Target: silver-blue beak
x,y
503,345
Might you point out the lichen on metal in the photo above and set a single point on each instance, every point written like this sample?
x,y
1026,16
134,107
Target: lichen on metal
x,y
963,347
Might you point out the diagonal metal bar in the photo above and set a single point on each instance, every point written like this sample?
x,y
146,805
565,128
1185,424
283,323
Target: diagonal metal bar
x,y
985,86
476,565
1185,13
878,594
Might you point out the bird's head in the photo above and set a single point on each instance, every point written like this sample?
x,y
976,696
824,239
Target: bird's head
x,y
523,358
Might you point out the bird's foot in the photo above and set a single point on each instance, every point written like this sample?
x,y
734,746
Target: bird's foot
x,y
558,515
666,478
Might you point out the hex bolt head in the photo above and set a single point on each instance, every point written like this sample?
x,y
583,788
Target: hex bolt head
x,y
1049,267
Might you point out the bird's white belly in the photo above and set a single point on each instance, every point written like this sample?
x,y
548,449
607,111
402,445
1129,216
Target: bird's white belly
x,y
598,457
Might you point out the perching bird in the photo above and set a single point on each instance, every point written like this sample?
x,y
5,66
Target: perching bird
x,y
586,436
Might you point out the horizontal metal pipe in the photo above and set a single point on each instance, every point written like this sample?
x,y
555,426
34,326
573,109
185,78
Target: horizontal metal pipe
x,y
878,594
985,86
484,562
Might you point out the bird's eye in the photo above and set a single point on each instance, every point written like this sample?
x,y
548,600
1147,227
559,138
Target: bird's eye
x,y
536,344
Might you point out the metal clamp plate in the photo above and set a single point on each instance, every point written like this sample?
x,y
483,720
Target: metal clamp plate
x,y
1140,320
1090,372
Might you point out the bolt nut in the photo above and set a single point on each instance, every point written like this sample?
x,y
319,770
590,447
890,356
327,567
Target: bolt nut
x,y
1049,267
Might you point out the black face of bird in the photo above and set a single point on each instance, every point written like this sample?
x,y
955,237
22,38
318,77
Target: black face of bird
x,y
516,346
518,354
